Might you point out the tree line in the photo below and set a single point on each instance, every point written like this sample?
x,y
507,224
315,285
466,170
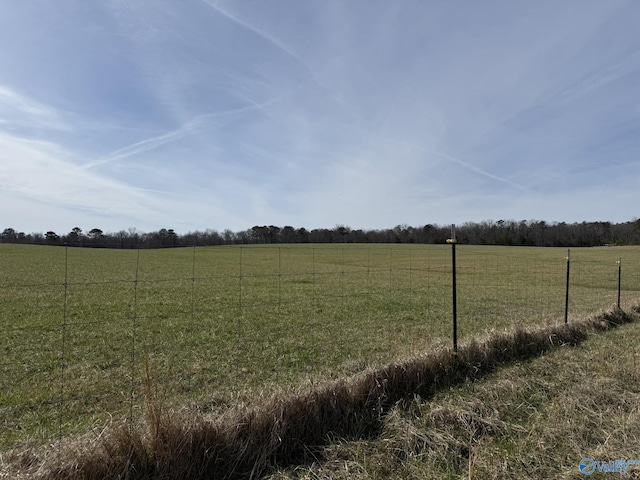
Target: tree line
x,y
502,232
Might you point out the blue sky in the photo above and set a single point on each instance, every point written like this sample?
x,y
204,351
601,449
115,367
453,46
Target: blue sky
x,y
197,114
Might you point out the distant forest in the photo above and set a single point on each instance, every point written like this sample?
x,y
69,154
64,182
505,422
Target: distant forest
x,y
502,232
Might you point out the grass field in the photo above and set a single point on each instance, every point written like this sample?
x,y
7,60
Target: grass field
x,y
218,323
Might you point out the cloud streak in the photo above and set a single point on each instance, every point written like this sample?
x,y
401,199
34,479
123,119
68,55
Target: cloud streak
x,y
269,38
225,115
470,167
190,127
40,171
19,111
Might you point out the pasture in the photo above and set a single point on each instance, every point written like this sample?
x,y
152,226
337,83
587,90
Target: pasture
x,y
220,323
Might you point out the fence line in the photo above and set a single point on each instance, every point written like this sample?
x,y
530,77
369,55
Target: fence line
x,y
218,321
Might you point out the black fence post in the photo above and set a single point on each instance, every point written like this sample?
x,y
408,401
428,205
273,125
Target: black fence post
x,y
453,242
619,279
566,298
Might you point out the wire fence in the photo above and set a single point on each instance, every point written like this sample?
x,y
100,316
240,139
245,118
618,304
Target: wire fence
x,y
219,323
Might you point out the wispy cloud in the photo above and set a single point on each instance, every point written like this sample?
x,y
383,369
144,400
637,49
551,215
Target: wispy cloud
x,y
469,166
192,126
268,37
144,145
19,111
225,115
43,172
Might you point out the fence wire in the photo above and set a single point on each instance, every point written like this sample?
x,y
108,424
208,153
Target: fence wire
x,y
218,322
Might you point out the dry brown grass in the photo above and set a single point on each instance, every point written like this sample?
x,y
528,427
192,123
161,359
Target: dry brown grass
x,y
529,420
249,441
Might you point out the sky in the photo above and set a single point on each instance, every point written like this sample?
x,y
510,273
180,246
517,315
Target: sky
x,y
217,114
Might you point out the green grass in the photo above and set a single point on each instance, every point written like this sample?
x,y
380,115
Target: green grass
x,y
224,322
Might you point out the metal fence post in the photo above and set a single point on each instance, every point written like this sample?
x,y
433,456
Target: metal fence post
x,y
619,262
453,242
566,298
